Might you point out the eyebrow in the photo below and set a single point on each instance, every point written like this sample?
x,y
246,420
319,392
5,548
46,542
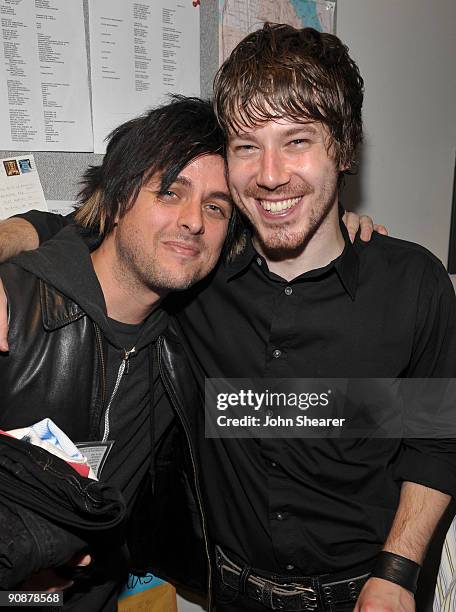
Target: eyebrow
x,y
183,181
218,195
304,127
221,195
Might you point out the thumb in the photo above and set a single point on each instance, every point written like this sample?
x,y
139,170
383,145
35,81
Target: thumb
x,y
81,560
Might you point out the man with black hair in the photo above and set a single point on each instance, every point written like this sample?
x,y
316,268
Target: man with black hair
x,y
85,310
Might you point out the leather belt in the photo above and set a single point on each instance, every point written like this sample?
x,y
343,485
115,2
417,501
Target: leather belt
x,y
290,594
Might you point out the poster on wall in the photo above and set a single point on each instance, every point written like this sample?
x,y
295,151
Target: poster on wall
x,y
44,90
140,52
237,18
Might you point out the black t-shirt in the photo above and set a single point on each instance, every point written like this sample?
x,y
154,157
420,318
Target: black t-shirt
x,y
134,424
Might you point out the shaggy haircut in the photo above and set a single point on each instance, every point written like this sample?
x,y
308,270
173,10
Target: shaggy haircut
x,y
300,75
163,141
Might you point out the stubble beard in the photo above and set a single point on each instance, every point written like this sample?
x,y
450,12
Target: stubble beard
x,y
282,242
139,271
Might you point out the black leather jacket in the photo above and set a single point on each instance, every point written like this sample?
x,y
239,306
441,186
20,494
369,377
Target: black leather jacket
x,y
168,532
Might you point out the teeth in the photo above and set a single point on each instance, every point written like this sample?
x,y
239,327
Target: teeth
x,y
276,207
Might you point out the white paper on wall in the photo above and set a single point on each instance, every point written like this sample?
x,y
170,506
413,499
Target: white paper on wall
x,y
140,51
60,207
20,186
44,91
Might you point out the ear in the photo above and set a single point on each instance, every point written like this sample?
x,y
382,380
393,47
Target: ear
x,y
344,167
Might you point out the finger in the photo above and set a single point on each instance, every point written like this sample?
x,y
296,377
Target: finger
x,y
381,229
367,227
351,221
3,320
81,560
85,560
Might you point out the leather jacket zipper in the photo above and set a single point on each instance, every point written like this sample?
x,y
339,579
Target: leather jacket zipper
x,y
123,365
176,405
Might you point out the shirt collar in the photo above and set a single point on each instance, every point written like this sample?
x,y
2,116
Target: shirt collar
x,y
346,265
242,261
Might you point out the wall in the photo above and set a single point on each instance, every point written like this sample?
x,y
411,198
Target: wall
x,y
406,52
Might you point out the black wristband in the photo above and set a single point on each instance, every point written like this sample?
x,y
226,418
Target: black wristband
x,y
397,569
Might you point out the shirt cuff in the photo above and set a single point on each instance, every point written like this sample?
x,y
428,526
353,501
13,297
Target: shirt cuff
x,y
415,465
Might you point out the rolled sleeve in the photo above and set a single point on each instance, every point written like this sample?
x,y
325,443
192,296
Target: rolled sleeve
x,y
431,463
426,461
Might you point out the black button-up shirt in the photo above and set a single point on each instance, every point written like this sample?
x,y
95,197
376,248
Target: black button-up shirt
x,y
382,309
311,506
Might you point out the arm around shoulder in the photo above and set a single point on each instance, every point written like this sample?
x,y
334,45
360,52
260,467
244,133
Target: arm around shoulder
x,y
16,235
27,231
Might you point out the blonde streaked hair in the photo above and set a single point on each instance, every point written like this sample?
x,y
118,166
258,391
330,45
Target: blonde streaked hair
x,y
162,141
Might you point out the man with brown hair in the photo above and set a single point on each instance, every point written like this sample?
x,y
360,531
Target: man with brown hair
x,y
313,524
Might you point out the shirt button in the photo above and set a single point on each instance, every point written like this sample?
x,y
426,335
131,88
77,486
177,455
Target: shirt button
x,y
279,516
258,260
289,567
276,354
273,464
288,290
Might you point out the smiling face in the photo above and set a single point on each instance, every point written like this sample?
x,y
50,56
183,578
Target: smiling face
x,y
284,180
169,240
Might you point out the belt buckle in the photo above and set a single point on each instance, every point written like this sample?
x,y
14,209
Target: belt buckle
x,y
311,602
307,596
273,595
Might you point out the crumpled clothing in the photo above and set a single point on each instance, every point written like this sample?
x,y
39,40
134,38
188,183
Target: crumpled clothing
x,y
29,543
48,512
49,436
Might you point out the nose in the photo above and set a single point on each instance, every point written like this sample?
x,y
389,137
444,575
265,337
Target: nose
x,y
191,217
272,171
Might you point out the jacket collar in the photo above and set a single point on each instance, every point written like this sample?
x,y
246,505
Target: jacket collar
x,y
57,310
